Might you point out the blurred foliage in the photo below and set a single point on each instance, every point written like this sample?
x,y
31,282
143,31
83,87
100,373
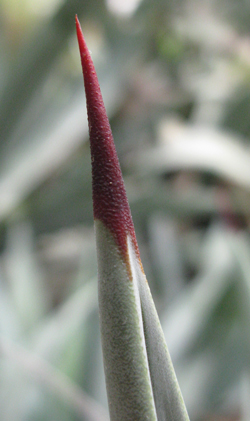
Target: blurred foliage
x,y
175,79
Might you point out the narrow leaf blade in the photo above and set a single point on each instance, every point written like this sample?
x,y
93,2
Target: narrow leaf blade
x,y
140,379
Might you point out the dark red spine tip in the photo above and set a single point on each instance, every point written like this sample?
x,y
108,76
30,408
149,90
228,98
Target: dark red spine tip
x,y
110,201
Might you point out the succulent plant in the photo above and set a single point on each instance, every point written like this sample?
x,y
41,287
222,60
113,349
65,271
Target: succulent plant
x,y
140,379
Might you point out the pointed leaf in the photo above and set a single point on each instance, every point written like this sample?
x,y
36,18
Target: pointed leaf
x,y
140,379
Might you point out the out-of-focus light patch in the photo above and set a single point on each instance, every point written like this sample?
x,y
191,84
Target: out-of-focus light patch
x,y
43,8
18,10
123,7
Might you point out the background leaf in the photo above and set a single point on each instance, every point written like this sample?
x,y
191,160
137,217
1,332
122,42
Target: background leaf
x,y
172,75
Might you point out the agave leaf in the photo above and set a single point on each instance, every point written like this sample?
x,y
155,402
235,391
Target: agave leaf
x,y
186,146
56,382
51,337
195,305
140,379
24,275
240,248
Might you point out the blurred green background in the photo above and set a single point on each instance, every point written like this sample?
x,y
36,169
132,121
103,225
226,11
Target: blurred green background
x,y
175,76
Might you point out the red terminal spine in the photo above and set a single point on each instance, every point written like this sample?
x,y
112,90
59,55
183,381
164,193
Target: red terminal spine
x,y
110,201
